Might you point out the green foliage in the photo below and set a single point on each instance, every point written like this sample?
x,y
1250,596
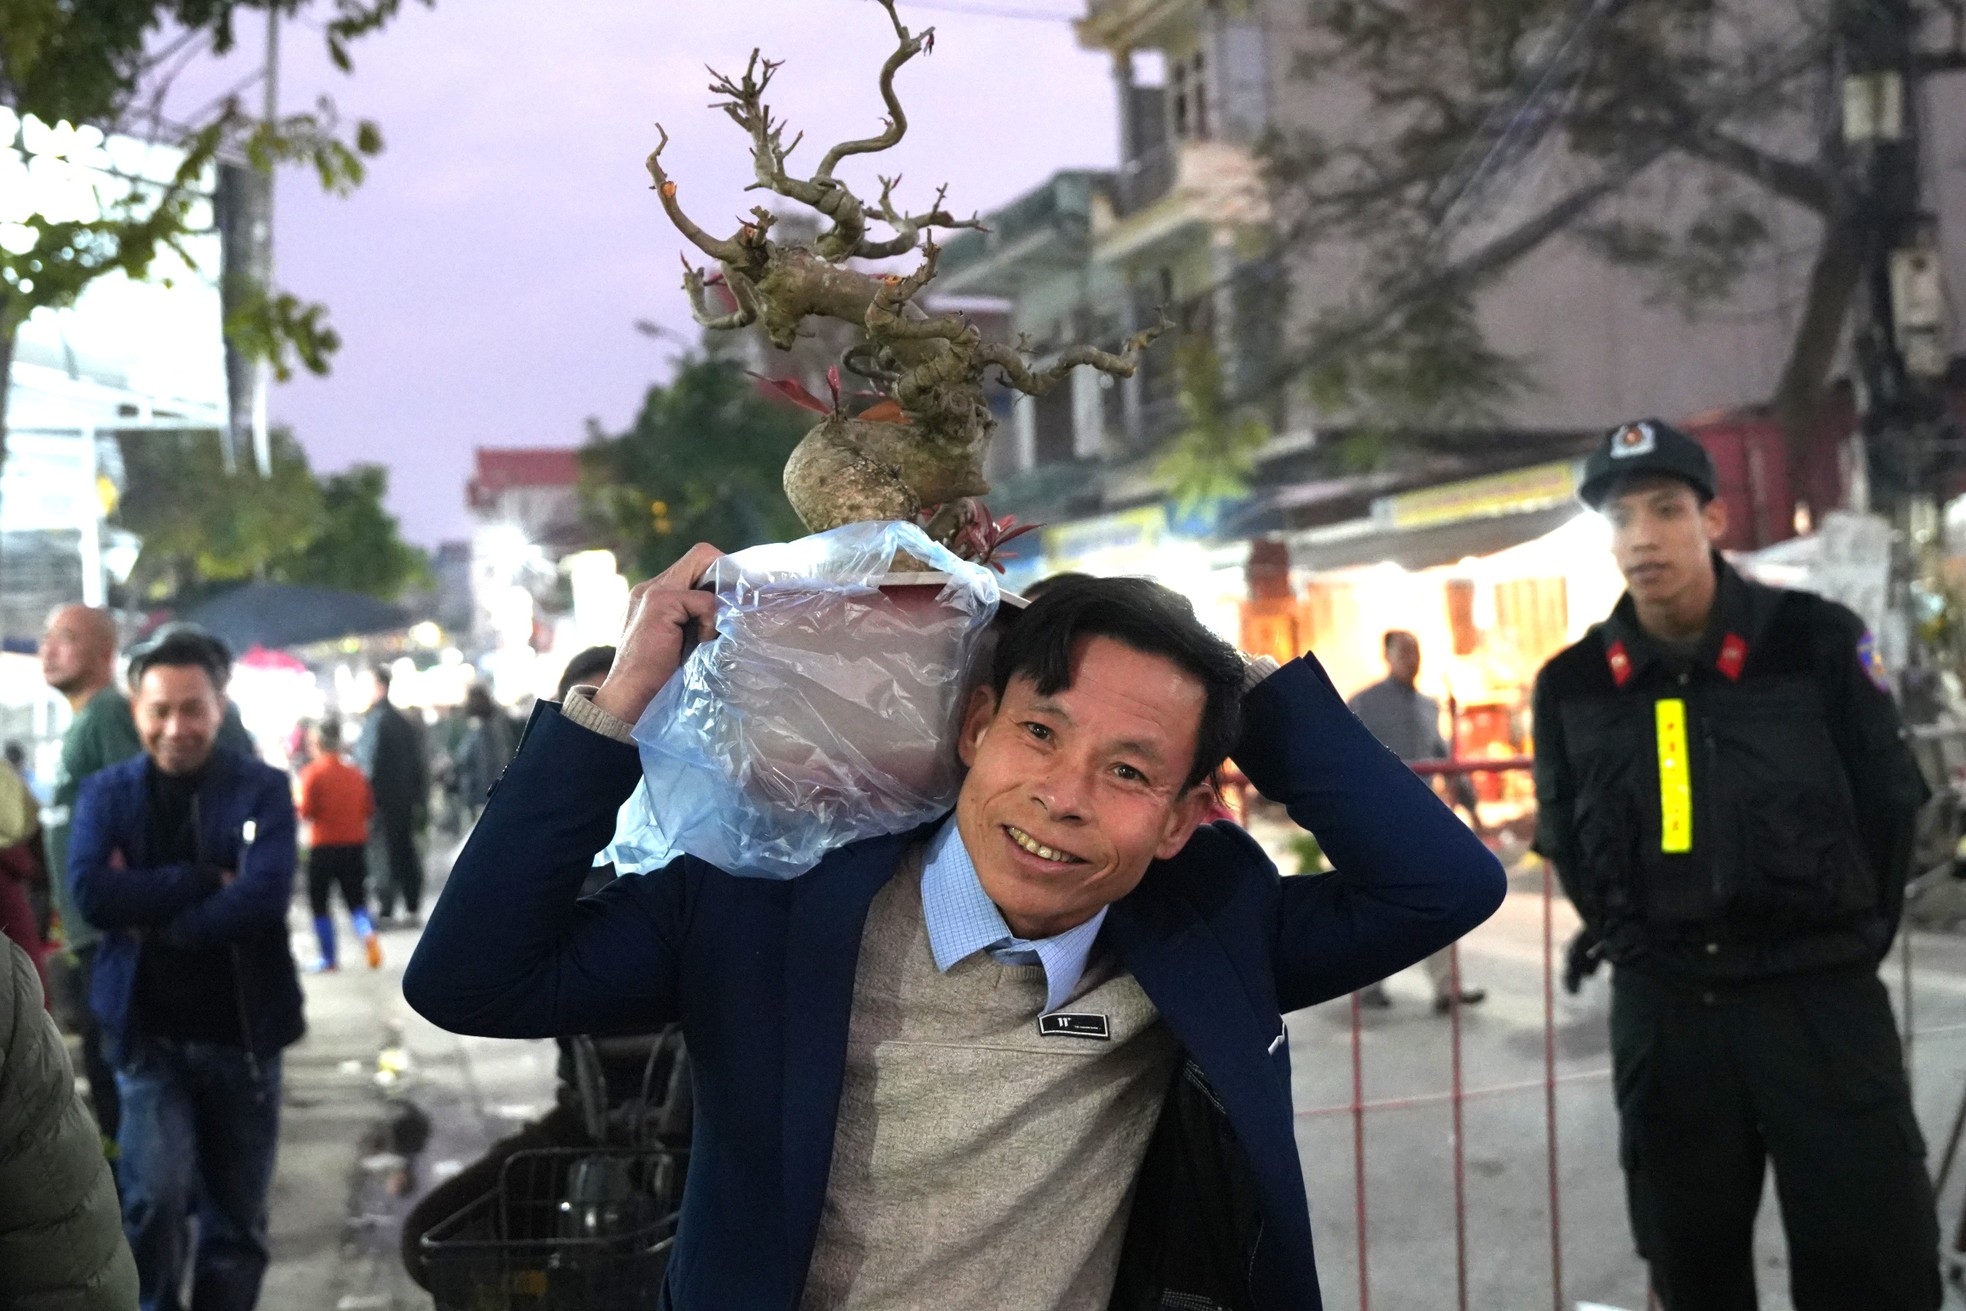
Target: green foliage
x,y
1310,855
1698,265
46,262
279,327
200,524
358,547
703,462
1213,456
100,63
1427,368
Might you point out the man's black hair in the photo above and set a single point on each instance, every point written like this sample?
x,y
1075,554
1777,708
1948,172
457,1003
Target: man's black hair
x,y
183,647
1043,585
1393,635
1140,614
382,675
330,731
587,667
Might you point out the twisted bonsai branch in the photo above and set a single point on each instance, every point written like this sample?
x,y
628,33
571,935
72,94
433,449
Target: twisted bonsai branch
x,y
907,227
665,187
923,446
897,120
1018,373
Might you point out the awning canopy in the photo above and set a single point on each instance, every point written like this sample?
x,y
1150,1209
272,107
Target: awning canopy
x,y
1424,548
278,614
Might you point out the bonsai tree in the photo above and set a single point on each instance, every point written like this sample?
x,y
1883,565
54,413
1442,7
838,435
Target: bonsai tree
x,y
918,447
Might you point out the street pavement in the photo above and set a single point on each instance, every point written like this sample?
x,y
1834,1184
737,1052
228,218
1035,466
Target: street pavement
x,y
339,1193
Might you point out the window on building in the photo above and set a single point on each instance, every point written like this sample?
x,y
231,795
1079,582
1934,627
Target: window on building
x,y
1052,422
1187,81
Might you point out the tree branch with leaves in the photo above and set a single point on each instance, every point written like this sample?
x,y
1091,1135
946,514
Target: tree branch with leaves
x,y
1486,130
103,68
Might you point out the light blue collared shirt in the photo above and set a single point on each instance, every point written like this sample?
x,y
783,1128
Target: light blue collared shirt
x,y
962,920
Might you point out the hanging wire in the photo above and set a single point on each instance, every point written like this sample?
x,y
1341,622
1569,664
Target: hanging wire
x,y
1512,129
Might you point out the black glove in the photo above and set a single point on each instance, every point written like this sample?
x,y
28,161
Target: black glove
x,y
1580,960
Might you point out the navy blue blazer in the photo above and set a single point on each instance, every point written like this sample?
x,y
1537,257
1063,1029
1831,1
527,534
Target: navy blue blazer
x,y
761,972
182,903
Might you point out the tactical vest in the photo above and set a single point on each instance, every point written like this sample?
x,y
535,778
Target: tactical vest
x,y
1708,807
1713,821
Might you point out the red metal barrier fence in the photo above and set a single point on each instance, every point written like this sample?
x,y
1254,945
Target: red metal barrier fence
x,y
1457,1094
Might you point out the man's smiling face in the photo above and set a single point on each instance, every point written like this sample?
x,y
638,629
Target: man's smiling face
x,y
1071,796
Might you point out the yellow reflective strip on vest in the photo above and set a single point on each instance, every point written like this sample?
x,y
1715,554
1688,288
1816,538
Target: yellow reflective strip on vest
x,y
1675,780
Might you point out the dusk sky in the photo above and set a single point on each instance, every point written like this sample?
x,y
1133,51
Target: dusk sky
x,y
487,277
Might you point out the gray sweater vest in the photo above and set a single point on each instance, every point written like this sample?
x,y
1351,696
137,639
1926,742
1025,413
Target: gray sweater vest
x,y
978,1163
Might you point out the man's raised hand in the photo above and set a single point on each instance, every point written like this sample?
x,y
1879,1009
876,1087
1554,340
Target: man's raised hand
x,y
663,614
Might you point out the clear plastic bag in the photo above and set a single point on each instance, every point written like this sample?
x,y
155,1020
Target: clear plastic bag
x,y
823,712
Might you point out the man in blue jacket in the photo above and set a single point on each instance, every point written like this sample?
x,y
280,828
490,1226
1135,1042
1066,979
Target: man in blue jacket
x,y
184,858
1029,1056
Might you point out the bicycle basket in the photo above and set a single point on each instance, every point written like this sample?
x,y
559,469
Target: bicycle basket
x,y
570,1229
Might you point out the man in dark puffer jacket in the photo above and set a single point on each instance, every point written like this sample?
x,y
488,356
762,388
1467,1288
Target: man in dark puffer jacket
x,y
61,1234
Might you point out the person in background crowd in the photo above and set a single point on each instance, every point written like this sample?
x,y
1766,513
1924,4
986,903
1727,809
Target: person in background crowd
x,y
485,751
61,1238
78,660
16,755
336,803
390,751
1408,725
184,857
23,877
78,656
1725,791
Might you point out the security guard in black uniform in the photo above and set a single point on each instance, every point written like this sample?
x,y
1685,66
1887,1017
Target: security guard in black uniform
x,y
1726,794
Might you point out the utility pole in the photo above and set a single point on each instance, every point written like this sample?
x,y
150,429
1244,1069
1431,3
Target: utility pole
x,y
263,369
244,209
1899,342
1898,339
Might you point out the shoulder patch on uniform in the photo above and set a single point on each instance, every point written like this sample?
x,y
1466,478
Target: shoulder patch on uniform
x,y
1872,661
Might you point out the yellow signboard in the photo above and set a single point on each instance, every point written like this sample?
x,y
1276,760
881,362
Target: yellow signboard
x,y
1536,488
1109,541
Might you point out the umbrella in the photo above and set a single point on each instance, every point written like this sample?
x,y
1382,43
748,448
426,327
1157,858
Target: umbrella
x,y
281,614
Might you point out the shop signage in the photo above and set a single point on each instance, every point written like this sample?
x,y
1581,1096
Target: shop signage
x,y
1109,540
1538,487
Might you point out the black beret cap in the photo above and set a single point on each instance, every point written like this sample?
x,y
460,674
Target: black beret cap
x,y
1650,446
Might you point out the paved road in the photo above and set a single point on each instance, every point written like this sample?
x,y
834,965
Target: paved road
x,y
1409,1184
337,1206
334,1221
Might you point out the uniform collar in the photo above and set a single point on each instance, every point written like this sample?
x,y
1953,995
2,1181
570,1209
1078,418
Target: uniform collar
x,y
962,920
1741,610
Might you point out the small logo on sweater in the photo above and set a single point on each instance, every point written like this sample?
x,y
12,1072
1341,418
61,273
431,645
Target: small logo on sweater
x,y
1061,1024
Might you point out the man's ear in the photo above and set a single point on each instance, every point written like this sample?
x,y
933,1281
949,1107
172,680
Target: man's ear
x,y
1184,820
1714,516
977,715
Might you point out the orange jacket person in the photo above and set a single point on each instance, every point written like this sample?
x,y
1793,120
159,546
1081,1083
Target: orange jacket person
x,y
336,803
